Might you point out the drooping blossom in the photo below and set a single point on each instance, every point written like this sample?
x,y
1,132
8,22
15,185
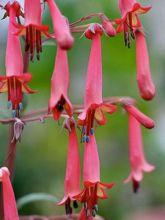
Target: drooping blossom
x,y
137,158
33,28
130,10
94,189
140,117
144,78
59,86
131,24
94,107
72,177
15,81
9,203
61,26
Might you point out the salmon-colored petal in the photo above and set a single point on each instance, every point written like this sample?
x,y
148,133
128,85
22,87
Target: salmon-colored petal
x,y
100,117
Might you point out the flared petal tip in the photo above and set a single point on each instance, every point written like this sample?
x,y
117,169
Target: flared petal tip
x,y
62,202
141,10
148,167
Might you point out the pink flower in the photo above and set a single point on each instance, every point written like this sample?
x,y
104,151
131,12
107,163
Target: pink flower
x,y
107,26
72,177
15,82
137,159
140,117
130,24
93,188
130,21
61,26
33,27
59,86
94,107
9,204
144,79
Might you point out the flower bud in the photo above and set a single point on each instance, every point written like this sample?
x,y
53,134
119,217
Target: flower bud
x,y
108,27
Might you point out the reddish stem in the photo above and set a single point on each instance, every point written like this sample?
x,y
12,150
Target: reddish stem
x,y
86,18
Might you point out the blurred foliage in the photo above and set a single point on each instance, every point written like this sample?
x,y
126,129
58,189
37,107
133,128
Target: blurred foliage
x,y
41,156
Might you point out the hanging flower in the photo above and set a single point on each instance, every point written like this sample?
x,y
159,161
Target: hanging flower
x,y
15,81
144,78
72,177
140,117
94,108
9,203
137,159
94,189
130,10
59,86
33,28
61,26
130,24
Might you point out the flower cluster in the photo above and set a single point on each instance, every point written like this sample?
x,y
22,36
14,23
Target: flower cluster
x,y
93,112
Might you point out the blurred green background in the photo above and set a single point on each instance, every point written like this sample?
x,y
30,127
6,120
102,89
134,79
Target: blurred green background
x,y
41,155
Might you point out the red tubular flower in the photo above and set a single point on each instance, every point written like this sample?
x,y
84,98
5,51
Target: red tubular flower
x,y
93,188
61,26
130,23
144,79
15,82
140,117
33,29
137,159
130,10
9,203
72,177
59,86
94,107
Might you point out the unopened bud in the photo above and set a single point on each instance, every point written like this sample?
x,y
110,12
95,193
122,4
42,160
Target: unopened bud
x,y
108,27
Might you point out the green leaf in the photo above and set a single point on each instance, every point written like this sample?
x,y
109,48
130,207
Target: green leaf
x,y
34,197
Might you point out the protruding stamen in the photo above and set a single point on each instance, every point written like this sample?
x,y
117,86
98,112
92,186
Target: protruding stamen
x,y
135,185
87,139
84,129
87,211
20,106
93,212
127,39
9,104
68,208
84,139
75,204
85,205
132,34
14,113
92,131
96,208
